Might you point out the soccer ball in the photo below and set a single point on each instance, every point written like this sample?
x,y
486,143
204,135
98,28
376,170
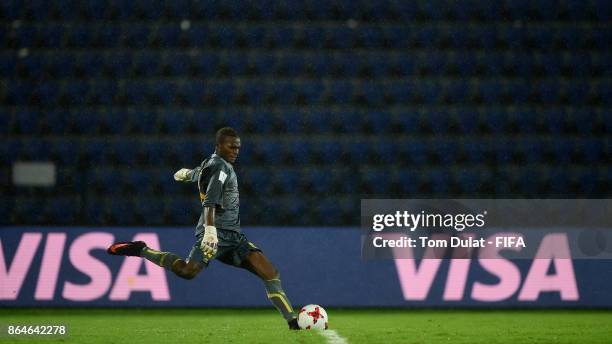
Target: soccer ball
x,y
313,317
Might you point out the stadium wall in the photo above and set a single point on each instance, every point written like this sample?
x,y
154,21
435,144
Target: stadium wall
x,y
68,266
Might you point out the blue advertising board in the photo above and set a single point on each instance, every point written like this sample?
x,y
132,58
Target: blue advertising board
x,y
68,266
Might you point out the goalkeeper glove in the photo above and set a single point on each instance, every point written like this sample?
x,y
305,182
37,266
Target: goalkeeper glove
x,y
181,175
209,242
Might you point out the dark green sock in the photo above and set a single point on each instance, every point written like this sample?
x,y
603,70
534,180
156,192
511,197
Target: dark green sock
x,y
163,259
277,296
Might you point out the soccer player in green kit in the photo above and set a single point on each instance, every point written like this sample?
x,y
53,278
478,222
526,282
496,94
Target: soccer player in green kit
x,y
218,234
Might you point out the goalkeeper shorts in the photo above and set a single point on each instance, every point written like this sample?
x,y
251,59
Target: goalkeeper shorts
x,y
232,250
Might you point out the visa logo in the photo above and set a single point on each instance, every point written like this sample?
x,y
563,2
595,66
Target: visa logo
x,y
553,252
79,251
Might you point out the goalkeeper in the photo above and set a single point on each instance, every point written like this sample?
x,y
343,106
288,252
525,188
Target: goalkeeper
x,y
218,234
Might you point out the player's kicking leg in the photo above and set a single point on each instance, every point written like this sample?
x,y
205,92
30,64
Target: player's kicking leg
x,y
167,260
257,263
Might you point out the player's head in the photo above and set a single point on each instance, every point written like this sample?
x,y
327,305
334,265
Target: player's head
x,y
227,144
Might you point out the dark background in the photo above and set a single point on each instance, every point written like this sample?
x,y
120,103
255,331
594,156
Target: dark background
x,y
334,101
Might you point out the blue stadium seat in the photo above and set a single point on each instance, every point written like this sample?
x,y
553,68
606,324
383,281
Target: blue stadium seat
x,y
136,35
586,178
125,9
5,121
27,122
194,92
591,150
378,64
558,180
343,37
270,151
136,92
62,210
314,37
6,210
561,149
377,122
106,35
28,209
138,181
548,92
146,63
125,151
33,65
291,65
148,9
495,120
311,91
503,150
385,152
430,92
525,121
118,64
440,180
414,151
8,63
108,180
25,36
258,180
466,63
474,151
79,36
434,62
163,181
374,93
490,91
96,150
123,211
467,120
9,151
198,35
438,121
66,152
222,92
531,149
168,35
281,36
316,180
299,150
94,211
47,92
446,150
456,36
327,150
401,91
288,180
263,63
225,35
178,63
341,92
181,210
471,181
154,152
76,92
165,92
604,89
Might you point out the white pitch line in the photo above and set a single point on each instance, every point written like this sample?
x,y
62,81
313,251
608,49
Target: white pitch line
x,y
333,337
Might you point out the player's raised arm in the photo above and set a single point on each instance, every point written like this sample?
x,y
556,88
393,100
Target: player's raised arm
x,y
188,176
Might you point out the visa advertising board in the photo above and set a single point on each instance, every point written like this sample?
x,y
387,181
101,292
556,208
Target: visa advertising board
x,y
68,266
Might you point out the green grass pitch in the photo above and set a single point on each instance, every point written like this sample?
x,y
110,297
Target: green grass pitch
x,y
132,326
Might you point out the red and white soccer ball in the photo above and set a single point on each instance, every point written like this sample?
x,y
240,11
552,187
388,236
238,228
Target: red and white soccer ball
x,y
313,317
